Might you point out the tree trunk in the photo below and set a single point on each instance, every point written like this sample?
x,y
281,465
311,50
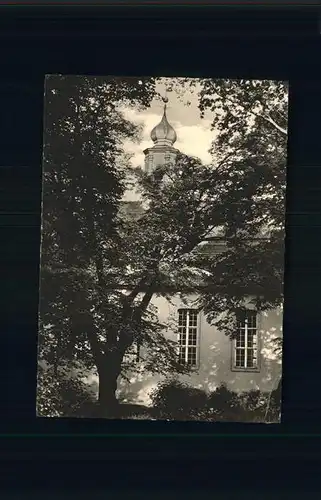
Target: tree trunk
x,y
108,403
108,375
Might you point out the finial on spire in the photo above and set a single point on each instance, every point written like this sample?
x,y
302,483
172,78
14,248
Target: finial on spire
x,y
165,101
163,133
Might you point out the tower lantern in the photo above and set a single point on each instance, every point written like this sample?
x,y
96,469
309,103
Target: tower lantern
x,y
163,137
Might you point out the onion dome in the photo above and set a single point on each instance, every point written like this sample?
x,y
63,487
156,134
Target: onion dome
x,y
163,133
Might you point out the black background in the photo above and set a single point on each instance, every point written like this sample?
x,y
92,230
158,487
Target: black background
x,y
233,42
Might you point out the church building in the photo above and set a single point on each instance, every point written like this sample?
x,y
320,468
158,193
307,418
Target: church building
x,y
245,363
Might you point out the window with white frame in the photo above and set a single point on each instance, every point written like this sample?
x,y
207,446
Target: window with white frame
x,y
246,342
188,336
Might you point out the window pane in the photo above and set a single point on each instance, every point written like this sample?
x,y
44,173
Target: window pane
x,y
251,338
192,332
191,356
246,340
240,358
192,341
252,320
188,335
182,339
182,321
250,358
240,340
182,317
193,320
181,356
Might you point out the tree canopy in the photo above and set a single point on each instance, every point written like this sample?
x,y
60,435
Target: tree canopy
x,y
250,150
92,252
249,154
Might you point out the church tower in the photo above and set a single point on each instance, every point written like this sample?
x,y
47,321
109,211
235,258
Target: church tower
x,y
163,137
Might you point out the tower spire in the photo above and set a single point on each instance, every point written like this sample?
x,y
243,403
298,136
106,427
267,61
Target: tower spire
x,y
163,137
163,134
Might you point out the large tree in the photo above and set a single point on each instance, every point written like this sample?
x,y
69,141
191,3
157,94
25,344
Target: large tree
x,y
87,245
91,250
84,181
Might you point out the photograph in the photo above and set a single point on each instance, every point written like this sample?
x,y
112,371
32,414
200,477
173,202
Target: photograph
x,y
162,248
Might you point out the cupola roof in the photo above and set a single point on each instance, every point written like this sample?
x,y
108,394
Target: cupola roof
x,y
163,133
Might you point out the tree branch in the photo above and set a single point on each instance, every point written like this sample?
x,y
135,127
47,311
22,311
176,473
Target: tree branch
x,y
267,119
270,120
147,297
95,344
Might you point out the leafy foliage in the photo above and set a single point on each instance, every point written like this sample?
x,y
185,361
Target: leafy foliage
x,y
249,157
251,406
242,107
174,400
86,243
91,250
83,185
60,395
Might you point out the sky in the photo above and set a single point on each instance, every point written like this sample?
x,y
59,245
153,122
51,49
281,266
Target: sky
x,y
194,136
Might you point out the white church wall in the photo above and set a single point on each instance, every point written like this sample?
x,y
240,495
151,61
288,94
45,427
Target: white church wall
x,y
215,356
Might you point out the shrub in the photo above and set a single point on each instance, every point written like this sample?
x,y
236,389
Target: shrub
x,y
59,396
274,410
223,405
251,406
177,401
